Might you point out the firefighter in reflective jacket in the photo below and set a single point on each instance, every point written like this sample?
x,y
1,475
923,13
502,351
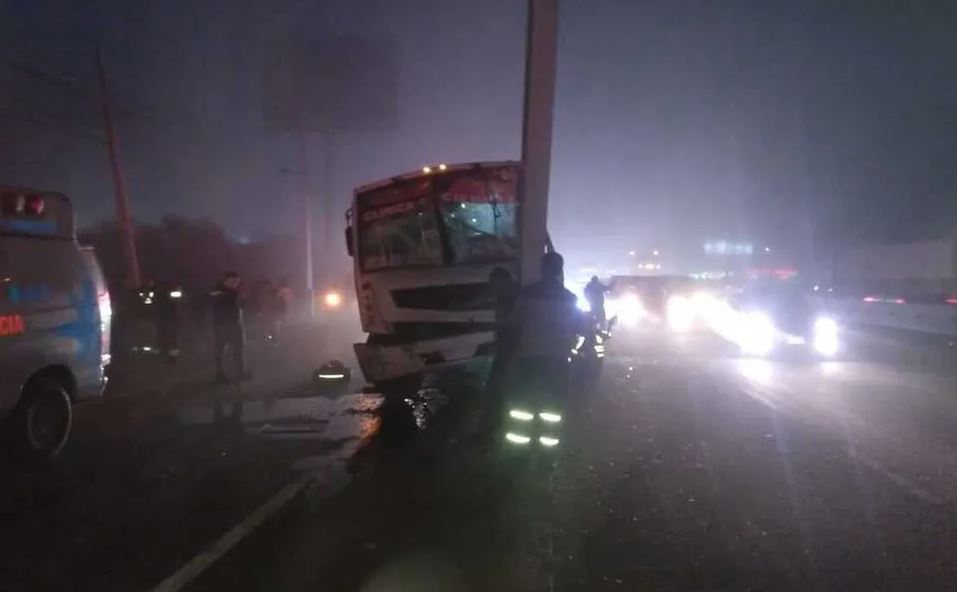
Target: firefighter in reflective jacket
x,y
547,322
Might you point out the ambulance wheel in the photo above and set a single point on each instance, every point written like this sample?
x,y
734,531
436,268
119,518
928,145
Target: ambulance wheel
x,y
41,421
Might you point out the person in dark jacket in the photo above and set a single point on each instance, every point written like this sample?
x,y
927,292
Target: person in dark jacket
x,y
546,322
228,328
595,293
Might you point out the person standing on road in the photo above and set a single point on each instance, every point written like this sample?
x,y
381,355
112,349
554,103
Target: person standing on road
x,y
595,293
228,328
546,320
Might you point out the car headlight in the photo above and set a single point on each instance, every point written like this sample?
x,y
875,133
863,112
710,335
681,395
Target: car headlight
x,y
708,307
756,334
825,338
582,304
679,313
627,308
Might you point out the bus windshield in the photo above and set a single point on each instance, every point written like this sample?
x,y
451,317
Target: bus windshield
x,y
458,217
480,232
405,236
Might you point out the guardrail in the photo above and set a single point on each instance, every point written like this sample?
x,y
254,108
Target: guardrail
x,y
938,319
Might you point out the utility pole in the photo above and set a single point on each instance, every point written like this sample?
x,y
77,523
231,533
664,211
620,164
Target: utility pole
x,y
119,188
537,134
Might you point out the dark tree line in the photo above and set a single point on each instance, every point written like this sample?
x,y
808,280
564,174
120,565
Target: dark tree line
x,y
192,253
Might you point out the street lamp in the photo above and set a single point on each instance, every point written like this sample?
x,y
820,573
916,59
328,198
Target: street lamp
x,y
767,249
655,252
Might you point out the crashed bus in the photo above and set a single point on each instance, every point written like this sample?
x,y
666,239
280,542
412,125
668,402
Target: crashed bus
x,y
424,245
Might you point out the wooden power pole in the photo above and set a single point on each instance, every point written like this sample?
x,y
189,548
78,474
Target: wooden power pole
x,y
119,188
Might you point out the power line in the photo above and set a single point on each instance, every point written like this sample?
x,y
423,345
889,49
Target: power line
x,y
75,88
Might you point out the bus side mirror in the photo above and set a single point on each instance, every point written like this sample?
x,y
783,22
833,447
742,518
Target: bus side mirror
x,y
349,240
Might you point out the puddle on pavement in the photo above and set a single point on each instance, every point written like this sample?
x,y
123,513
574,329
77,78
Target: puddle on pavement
x,y
307,416
304,418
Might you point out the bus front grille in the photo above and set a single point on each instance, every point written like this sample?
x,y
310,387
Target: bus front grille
x,y
455,297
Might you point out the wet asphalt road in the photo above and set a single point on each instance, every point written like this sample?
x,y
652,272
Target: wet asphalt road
x,y
167,462
680,468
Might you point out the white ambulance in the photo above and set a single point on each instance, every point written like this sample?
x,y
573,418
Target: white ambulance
x,y
54,322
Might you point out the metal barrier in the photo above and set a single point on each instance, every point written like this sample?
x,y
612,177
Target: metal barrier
x,y
939,319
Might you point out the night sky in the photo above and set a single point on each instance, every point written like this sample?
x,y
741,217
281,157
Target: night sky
x,y
787,123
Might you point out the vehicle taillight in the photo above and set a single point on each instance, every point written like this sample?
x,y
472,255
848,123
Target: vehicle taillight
x,y
35,205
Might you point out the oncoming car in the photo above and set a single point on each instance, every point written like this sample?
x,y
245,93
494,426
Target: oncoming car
x,y
674,303
775,316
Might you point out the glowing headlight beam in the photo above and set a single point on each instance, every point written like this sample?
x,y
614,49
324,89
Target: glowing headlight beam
x,y
680,313
550,417
628,308
756,334
825,336
548,441
331,376
582,304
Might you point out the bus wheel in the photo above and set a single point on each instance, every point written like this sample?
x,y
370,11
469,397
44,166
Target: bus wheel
x,y
42,420
397,421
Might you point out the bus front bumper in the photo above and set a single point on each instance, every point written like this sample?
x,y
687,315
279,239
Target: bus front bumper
x,y
386,362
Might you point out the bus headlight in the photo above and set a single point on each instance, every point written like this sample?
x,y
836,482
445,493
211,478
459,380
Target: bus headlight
x,y
825,338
